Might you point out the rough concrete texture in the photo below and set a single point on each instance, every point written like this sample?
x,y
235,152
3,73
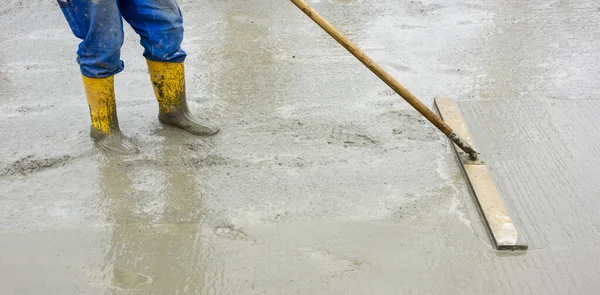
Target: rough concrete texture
x,y
322,180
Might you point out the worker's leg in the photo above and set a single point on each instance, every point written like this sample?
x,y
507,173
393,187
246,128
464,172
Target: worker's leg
x,y
160,26
98,24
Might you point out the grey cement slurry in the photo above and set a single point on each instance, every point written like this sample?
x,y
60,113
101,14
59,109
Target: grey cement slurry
x,y
322,180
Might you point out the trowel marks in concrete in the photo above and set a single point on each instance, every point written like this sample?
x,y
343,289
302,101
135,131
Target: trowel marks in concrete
x,y
544,155
269,206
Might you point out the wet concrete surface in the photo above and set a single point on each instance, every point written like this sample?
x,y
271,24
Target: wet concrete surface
x,y
322,181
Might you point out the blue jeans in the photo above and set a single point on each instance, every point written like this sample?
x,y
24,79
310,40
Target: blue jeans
x,y
99,24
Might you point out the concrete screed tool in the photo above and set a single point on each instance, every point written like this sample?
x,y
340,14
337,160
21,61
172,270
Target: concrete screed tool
x,y
491,206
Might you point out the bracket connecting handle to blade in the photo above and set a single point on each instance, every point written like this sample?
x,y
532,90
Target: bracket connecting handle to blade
x,y
387,78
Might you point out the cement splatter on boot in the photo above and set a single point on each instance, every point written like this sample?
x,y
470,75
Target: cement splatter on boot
x,y
168,80
105,130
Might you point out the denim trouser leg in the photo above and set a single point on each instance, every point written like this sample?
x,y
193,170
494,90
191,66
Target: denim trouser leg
x,y
98,23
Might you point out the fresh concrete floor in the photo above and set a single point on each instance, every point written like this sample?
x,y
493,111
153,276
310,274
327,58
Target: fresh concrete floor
x,y
323,181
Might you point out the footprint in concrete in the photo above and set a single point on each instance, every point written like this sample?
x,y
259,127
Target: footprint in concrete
x,y
410,125
232,232
328,261
129,280
351,136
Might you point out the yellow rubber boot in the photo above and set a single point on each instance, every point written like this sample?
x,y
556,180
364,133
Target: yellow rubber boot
x,y
168,80
100,93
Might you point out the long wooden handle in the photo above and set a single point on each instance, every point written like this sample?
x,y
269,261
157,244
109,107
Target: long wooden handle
x,y
385,77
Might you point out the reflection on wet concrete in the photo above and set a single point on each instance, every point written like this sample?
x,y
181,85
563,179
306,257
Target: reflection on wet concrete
x,y
323,181
157,244
252,78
